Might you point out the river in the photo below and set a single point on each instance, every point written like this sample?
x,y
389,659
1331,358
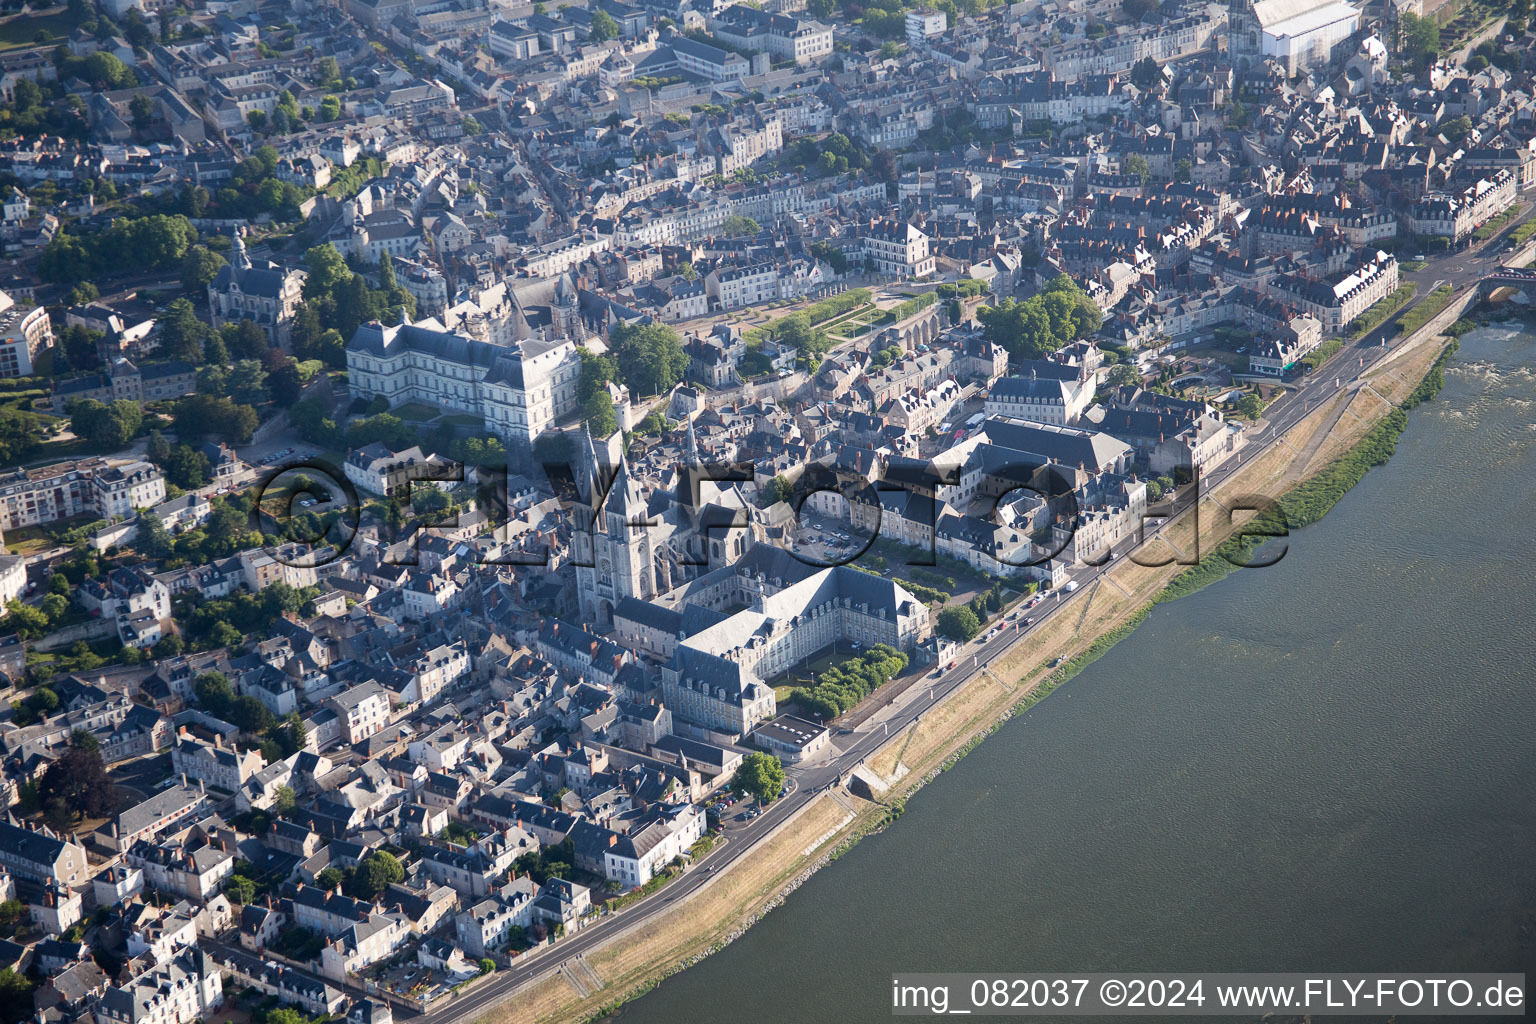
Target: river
x,y
1326,765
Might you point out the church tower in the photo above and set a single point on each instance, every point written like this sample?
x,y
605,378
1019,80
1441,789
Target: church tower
x,y
612,543
1245,34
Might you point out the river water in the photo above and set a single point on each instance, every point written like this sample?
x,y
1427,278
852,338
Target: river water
x,y
1326,765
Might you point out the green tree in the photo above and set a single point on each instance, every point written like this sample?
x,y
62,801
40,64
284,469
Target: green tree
x,y
328,71
15,989
604,27
1420,38
79,779
488,965
760,776
181,332
736,225
1146,73
214,693
374,873
1137,164
1237,114
152,539
1123,374
241,890
958,623
1042,323
248,382
1182,170
330,878
779,489
650,357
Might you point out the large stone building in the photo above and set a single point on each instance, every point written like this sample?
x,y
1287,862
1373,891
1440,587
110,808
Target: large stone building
x,y
1300,34
715,678
510,357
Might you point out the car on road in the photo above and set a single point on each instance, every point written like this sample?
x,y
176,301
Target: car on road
x,y
1029,622
306,503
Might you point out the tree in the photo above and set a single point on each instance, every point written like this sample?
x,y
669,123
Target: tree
x,y
107,427
374,873
181,332
241,890
158,449
1146,73
1251,406
143,110
15,989
760,776
330,878
600,418
1137,164
328,71
796,331
1182,170
1042,323
284,801
604,27
214,693
248,382
650,356
79,779
736,225
487,965
152,539
327,271
778,489
1122,375
1421,38
1237,114
959,624
79,344
1455,129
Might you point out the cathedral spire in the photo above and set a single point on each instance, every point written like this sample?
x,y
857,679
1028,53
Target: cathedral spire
x,y
691,453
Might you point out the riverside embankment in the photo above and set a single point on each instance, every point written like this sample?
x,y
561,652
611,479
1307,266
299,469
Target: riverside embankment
x,y
1088,624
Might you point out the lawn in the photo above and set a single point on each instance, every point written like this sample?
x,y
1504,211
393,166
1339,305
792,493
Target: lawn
x,y
1374,316
29,540
416,412
1421,314
34,29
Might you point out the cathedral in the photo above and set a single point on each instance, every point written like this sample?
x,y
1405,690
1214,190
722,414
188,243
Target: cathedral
x,y
628,544
1299,34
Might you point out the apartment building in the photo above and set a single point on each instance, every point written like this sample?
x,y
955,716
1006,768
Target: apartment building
x,y
899,250
1456,215
92,486
24,333
1338,303
731,287
364,710
42,855
786,38
1049,393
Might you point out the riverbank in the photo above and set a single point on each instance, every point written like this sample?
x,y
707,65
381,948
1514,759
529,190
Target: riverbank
x,y
1354,418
